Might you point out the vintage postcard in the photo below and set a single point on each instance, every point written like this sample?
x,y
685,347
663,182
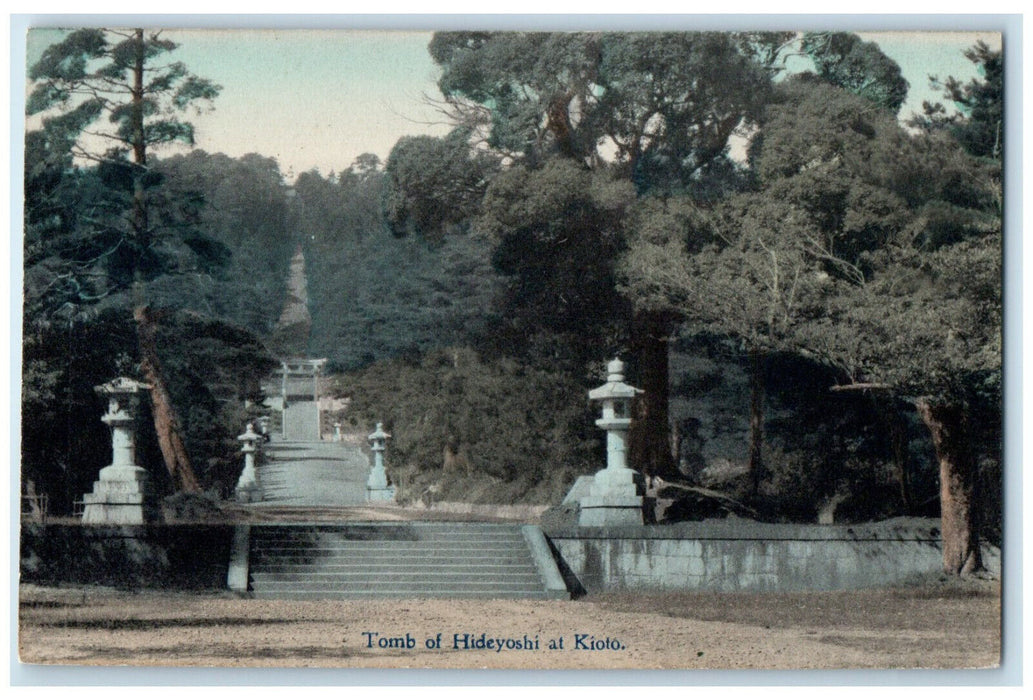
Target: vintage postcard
x,y
580,349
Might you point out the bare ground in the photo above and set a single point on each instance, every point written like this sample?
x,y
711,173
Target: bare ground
x,y
941,624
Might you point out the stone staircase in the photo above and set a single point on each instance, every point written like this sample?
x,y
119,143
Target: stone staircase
x,y
400,560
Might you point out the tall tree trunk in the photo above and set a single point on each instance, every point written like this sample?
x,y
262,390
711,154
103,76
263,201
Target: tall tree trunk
x,y
139,141
756,464
649,442
166,423
558,123
959,509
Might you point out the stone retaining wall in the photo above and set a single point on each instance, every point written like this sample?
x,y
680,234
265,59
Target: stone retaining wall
x,y
738,555
187,557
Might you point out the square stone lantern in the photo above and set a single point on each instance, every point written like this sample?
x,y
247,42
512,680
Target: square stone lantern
x,y
120,495
377,488
617,493
249,490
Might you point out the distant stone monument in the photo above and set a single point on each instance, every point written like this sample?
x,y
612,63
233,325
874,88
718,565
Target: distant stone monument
x,y
120,495
377,488
248,489
617,493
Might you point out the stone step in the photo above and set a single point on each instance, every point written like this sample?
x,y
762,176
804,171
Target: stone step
x,y
407,593
472,546
311,561
416,583
396,565
366,579
390,545
334,543
386,528
387,560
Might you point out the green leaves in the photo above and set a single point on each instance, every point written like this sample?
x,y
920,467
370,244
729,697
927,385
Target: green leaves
x,y
435,184
192,89
846,61
477,431
67,61
977,121
670,101
872,249
662,104
92,72
108,87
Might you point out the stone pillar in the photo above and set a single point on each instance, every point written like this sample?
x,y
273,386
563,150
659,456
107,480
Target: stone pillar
x,y
283,406
248,489
617,493
263,428
120,495
315,399
377,488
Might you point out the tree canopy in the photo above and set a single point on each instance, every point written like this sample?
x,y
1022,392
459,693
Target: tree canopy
x,y
863,246
978,117
105,97
125,239
845,60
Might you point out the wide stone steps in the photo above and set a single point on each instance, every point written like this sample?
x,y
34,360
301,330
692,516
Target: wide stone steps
x,y
493,592
319,581
295,562
462,560
391,570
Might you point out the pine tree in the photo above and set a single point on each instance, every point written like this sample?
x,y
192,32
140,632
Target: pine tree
x,y
95,76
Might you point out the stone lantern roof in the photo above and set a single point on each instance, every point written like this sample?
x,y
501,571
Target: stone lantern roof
x,y
379,435
249,434
614,388
121,385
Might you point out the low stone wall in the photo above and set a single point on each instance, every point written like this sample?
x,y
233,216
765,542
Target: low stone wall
x,y
187,557
740,555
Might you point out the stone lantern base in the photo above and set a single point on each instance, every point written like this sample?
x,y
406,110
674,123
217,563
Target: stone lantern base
x,y
248,493
616,498
120,497
387,493
377,489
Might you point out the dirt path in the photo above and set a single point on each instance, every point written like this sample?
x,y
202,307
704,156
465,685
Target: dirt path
x,y
932,627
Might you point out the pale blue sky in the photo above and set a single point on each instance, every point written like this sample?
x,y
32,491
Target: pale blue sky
x,y
318,99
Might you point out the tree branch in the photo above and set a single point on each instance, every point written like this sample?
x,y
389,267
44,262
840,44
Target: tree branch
x,y
862,386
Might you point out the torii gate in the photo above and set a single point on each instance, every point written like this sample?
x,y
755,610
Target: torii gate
x,y
299,381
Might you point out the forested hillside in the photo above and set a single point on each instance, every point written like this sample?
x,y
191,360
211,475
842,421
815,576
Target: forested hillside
x,y
808,291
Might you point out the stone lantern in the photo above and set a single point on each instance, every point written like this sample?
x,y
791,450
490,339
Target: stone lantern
x,y
120,494
616,495
248,489
377,488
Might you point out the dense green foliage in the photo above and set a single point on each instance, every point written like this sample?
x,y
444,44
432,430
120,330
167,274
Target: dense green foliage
x,y
862,246
107,234
844,60
557,230
435,185
245,208
467,430
113,88
211,366
373,296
